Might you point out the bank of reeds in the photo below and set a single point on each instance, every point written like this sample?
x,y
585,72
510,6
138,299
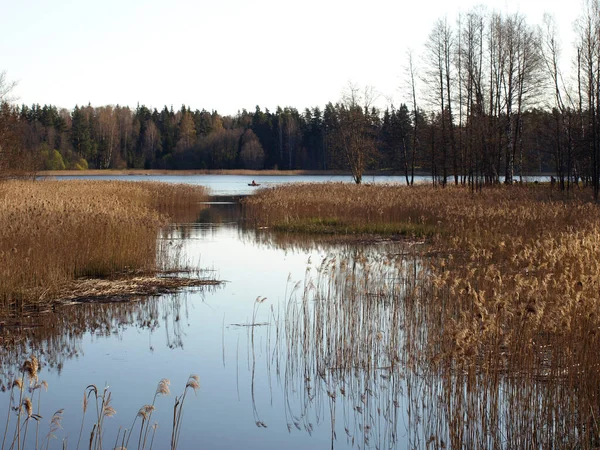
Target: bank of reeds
x,y
501,326
52,232
339,208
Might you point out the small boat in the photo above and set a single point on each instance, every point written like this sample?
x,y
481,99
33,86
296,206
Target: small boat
x,y
254,184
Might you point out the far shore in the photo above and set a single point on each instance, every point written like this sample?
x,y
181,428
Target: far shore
x,y
129,172
253,173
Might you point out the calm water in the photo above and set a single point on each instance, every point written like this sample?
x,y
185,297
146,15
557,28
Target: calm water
x,y
321,360
257,390
238,184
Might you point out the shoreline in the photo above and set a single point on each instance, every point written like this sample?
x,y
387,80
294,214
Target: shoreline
x,y
149,172
241,172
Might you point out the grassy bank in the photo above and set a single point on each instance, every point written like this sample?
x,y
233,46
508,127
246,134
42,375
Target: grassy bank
x,y
343,208
516,267
499,310
451,212
53,232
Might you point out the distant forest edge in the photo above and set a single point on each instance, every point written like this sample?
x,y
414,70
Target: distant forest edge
x,y
488,102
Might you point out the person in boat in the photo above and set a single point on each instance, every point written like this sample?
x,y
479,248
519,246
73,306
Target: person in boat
x,y
254,183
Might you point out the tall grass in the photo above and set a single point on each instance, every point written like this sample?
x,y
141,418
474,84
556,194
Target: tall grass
x,y
495,331
340,206
52,232
24,428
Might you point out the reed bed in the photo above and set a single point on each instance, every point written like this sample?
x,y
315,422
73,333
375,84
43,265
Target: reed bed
x,y
356,347
494,333
447,212
339,207
53,232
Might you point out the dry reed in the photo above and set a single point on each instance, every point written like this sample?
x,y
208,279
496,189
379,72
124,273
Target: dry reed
x,y
98,401
494,332
52,232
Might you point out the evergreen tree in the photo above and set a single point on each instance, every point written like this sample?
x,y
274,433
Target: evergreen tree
x,y
80,133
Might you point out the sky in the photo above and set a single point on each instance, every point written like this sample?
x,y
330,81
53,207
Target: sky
x,y
226,55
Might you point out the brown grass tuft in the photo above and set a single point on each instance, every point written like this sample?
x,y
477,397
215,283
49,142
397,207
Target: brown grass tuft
x,y
52,232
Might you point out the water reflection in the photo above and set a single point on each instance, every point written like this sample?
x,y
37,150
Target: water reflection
x,y
338,347
57,336
355,349
310,344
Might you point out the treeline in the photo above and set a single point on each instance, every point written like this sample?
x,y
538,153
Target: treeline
x,y
487,103
120,137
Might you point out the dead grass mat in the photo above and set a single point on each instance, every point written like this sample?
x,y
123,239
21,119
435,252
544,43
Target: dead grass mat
x,y
90,290
93,290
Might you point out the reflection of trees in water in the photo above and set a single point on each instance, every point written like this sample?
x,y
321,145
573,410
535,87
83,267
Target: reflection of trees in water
x,y
224,212
346,245
57,336
360,348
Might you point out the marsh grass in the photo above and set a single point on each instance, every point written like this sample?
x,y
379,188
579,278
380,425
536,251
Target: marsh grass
x,y
340,227
496,331
53,232
341,208
97,403
340,341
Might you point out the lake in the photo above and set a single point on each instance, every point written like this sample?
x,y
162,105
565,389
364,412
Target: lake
x,y
306,344
239,184
252,394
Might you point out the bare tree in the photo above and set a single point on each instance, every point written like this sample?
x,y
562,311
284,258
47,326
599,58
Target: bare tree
x,y
439,79
354,124
412,76
521,80
6,88
108,134
471,63
588,62
563,103
14,160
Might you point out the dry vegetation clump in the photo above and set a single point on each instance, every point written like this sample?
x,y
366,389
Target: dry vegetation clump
x,y
503,315
52,232
344,208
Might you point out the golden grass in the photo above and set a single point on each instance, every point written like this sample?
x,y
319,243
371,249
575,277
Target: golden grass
x,y
497,321
512,253
52,232
349,208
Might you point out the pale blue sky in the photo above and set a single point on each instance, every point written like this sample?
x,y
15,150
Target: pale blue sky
x,y
223,55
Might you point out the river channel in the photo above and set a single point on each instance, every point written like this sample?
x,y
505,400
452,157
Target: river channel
x,y
264,380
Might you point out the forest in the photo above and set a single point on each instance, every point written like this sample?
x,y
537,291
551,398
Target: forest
x,y
487,103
